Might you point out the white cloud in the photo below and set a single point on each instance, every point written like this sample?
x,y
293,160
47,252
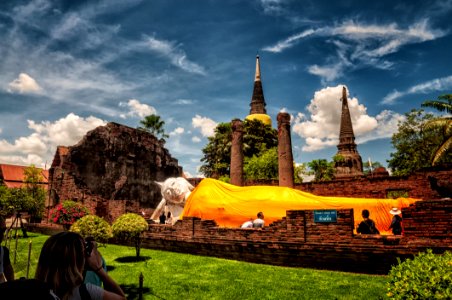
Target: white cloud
x,y
360,44
177,56
40,146
207,125
184,101
273,7
321,129
137,109
195,139
177,131
289,42
24,84
438,84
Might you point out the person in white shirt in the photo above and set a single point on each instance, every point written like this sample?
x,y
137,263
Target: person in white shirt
x,y
259,222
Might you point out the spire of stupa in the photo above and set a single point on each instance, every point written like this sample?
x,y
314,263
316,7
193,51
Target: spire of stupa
x,y
257,100
351,164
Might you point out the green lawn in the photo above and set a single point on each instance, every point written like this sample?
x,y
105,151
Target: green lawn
x,y
182,276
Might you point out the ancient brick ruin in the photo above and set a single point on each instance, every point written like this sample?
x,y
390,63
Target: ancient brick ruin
x,y
112,171
298,240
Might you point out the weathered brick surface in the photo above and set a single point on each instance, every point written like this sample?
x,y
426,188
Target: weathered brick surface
x,y
112,171
297,240
416,185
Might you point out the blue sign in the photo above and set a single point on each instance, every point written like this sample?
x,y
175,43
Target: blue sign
x,y
325,216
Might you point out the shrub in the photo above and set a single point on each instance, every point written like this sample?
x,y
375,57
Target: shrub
x,y
427,276
67,213
129,227
94,226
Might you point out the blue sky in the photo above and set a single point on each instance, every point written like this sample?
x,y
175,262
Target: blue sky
x,y
67,67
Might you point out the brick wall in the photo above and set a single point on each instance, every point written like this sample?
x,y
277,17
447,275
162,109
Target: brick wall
x,y
416,185
297,240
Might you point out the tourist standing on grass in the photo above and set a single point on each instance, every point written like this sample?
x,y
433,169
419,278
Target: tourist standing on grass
x,y
259,222
367,226
61,264
396,223
6,269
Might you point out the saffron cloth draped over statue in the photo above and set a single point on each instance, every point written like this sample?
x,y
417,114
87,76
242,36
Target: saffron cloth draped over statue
x,y
231,205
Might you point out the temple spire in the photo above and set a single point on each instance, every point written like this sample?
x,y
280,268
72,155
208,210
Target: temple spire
x,y
257,105
258,100
351,164
257,77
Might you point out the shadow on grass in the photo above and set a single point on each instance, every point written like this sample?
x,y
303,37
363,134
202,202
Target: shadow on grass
x,y
132,292
127,259
110,268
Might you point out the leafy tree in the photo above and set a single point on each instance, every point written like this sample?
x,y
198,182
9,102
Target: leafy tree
x,y
154,124
217,153
129,227
415,144
257,138
323,170
93,226
444,124
32,178
264,166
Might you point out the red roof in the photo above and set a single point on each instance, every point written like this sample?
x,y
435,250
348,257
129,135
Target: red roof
x,y
13,175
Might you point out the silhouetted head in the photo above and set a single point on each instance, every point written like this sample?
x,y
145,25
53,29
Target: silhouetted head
x,y
260,215
365,213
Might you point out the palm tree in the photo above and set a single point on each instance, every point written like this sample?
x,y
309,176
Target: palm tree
x,y
154,125
444,103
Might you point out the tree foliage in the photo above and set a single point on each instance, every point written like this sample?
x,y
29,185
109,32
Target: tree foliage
x,y
415,144
155,125
32,178
129,227
93,226
257,138
264,166
323,170
427,276
30,198
444,124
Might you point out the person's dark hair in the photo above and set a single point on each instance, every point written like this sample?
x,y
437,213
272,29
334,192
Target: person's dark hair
x,y
61,263
260,215
365,213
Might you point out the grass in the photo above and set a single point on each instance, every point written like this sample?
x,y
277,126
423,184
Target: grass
x,y
170,275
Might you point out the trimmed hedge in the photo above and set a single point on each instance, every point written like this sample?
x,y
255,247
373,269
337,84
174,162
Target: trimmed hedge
x,y
93,226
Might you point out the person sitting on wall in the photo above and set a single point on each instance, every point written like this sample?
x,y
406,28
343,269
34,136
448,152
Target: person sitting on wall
x,y
259,222
169,219
396,223
162,218
247,224
367,226
6,269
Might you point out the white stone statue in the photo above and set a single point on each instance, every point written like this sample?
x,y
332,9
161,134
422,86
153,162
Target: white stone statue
x,y
175,191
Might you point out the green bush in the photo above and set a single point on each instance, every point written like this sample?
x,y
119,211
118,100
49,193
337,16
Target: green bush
x,y
93,226
129,227
427,276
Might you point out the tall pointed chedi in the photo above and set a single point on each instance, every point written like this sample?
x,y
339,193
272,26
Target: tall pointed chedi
x,y
350,164
258,111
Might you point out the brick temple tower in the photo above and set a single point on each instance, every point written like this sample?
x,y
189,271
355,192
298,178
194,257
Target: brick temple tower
x,y
258,111
351,165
